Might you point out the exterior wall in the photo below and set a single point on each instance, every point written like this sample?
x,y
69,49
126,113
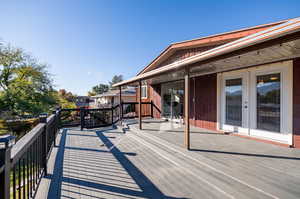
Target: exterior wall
x,y
296,104
203,105
203,101
146,109
155,96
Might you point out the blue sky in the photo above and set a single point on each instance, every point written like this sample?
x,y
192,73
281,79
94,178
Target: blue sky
x,y
86,42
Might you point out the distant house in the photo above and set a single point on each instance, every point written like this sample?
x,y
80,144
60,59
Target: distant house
x,y
83,101
112,98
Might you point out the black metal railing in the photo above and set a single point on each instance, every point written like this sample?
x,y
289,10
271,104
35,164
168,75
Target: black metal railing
x,y
24,163
89,118
131,109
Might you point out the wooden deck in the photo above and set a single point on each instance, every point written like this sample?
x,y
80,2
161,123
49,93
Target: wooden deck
x,y
152,164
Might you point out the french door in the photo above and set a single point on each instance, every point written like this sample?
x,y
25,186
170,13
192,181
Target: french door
x,y
235,102
257,101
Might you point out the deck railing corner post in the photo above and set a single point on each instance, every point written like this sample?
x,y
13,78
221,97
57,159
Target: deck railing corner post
x,y
43,119
6,143
54,112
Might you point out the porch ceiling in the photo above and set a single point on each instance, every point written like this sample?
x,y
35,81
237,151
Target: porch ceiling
x,y
275,53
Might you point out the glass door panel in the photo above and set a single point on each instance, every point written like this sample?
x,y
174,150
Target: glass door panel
x,y
268,102
233,102
166,102
172,100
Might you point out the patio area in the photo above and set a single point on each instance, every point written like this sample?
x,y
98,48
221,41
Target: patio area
x,y
152,163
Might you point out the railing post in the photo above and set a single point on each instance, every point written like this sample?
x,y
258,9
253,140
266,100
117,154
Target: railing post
x,y
112,115
43,119
121,111
55,126
151,108
58,116
120,104
81,118
6,142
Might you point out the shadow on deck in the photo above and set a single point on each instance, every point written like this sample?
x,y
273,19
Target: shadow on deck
x,y
101,176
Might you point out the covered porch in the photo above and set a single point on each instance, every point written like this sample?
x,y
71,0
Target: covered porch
x,y
202,78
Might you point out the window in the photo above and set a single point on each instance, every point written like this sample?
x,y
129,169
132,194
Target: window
x,y
144,92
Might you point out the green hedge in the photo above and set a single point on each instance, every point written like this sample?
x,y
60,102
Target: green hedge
x,y
17,128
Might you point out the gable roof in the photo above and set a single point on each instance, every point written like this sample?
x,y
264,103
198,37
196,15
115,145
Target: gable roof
x,y
277,31
211,40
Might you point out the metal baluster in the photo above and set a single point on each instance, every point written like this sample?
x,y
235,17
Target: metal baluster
x,y
14,182
31,169
35,163
27,172
24,177
19,180
40,154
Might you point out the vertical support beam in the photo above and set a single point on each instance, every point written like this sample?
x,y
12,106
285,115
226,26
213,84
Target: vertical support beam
x,y
187,109
112,115
140,104
120,104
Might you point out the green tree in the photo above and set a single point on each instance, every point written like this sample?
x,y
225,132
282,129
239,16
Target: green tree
x,y
25,84
115,79
99,89
64,99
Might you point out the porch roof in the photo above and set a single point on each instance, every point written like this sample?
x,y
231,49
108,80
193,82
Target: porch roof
x,y
275,32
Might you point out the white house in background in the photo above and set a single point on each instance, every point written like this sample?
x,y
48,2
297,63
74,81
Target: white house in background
x,y
112,98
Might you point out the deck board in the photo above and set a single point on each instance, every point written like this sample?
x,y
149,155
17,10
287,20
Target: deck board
x,y
153,164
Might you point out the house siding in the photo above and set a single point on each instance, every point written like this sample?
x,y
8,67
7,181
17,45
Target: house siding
x,y
146,108
155,94
296,103
203,101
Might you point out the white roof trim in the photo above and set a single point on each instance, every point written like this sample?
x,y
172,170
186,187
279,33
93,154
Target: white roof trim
x,y
290,26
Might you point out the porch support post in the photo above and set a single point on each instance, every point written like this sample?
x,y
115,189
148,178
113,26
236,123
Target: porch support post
x,y
120,104
187,109
140,104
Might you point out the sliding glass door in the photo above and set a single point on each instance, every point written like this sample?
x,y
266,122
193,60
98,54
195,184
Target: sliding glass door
x,y
172,100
